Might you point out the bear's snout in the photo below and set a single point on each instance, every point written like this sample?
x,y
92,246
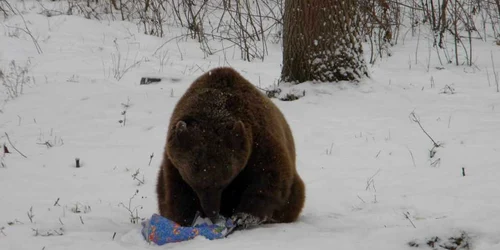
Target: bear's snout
x,y
210,203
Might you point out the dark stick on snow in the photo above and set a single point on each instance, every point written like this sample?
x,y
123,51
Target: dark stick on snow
x,y
408,217
8,138
77,160
415,119
463,171
30,214
137,179
361,199
57,202
81,219
149,80
151,158
124,113
114,236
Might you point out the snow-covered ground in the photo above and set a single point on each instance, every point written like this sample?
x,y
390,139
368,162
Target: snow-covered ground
x,y
370,181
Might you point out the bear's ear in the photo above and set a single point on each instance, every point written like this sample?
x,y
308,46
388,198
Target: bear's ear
x,y
238,135
180,127
180,130
238,128
181,133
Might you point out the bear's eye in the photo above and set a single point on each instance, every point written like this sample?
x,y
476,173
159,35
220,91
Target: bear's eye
x,y
198,155
195,163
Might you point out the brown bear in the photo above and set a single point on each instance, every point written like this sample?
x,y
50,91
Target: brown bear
x,y
229,152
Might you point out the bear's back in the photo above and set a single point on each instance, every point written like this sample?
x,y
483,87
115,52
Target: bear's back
x,y
223,95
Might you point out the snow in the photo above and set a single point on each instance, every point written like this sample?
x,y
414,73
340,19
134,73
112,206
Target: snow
x,y
365,163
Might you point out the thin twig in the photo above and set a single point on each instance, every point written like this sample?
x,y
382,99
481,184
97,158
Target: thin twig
x,y
414,118
137,179
57,202
412,158
495,74
26,30
361,199
30,214
151,158
14,146
370,180
408,217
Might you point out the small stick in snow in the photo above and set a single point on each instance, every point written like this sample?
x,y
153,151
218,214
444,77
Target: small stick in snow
x,y
151,158
8,138
16,221
412,158
30,214
133,218
463,172
436,163
57,202
407,215
77,162
124,120
495,74
47,144
361,199
124,112
488,77
370,181
114,236
134,177
414,118
81,219
1,231
60,221
432,152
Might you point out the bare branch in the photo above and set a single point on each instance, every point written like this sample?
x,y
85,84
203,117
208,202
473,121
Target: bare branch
x,y
14,146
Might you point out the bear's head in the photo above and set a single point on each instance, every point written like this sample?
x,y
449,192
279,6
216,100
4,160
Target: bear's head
x,y
209,156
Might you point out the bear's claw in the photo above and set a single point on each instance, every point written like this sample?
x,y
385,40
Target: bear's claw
x,y
244,220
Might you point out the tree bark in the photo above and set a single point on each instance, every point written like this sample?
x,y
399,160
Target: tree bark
x,y
320,41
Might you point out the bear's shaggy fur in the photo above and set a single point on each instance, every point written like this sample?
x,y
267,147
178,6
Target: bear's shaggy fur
x,y
230,152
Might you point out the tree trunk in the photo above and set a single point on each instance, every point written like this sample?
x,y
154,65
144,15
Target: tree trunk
x,y
321,43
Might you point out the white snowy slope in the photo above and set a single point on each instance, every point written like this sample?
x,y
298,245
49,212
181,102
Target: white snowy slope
x,y
369,178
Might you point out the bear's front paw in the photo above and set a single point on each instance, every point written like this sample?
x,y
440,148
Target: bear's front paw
x,y
245,220
242,221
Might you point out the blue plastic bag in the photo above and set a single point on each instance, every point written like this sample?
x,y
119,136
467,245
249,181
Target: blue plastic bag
x,y
161,230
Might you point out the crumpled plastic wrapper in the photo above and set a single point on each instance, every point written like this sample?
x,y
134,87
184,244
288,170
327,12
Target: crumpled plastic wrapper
x,y
161,230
